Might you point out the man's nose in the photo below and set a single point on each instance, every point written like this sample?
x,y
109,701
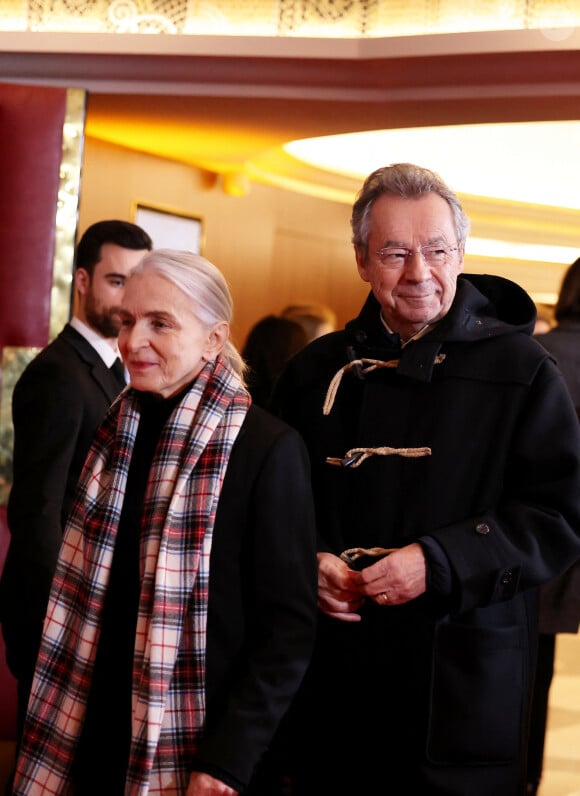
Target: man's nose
x,y
416,267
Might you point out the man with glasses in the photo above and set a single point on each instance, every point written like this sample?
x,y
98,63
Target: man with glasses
x,y
446,466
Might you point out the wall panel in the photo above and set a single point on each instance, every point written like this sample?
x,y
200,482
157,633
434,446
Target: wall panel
x,y
31,131
274,246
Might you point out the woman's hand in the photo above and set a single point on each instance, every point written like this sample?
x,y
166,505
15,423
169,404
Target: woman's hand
x,y
201,784
338,593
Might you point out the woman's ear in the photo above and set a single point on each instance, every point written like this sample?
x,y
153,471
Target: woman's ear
x,y
217,338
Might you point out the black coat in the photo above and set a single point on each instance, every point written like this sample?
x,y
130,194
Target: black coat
x,y
262,595
432,697
260,625
563,342
57,404
560,598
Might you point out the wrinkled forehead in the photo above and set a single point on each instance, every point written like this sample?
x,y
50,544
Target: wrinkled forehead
x,y
148,288
408,221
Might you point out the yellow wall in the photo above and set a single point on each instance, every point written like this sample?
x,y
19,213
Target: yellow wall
x,y
275,247
278,247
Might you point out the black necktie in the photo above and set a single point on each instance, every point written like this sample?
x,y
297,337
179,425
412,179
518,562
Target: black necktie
x,y
118,370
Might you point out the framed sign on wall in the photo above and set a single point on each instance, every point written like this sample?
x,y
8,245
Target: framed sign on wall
x,y
170,229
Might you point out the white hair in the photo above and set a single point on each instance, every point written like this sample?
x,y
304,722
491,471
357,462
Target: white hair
x,y
204,284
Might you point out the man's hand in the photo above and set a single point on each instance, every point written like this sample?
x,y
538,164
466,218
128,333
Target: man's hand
x,y
395,579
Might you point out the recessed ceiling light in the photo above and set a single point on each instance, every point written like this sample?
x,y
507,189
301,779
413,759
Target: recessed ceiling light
x,y
534,162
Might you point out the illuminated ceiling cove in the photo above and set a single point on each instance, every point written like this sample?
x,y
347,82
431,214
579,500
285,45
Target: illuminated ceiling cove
x,y
540,158
487,92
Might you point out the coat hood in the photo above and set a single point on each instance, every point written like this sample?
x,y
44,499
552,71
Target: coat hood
x,y
502,307
484,307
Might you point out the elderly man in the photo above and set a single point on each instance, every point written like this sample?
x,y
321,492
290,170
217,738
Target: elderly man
x,y
446,466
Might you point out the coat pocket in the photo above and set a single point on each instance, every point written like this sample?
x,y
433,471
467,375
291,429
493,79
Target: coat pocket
x,y
477,695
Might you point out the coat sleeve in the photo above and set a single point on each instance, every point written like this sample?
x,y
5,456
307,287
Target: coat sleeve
x,y
532,532
278,576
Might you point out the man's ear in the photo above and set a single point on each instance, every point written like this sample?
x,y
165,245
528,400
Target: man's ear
x,y
82,280
361,264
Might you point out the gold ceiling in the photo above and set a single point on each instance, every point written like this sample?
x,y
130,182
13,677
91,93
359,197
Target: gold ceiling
x,y
310,18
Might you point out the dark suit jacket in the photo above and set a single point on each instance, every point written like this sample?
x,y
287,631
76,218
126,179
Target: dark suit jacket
x,y
57,403
560,598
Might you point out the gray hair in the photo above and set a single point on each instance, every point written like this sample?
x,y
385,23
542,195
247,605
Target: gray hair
x,y
204,284
409,182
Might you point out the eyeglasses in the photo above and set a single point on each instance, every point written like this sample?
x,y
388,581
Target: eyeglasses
x,y
397,257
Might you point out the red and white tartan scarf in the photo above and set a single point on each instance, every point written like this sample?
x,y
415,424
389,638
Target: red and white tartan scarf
x,y
168,699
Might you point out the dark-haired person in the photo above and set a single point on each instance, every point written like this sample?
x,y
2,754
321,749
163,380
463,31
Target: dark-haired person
x,y
58,401
270,343
315,319
560,598
439,429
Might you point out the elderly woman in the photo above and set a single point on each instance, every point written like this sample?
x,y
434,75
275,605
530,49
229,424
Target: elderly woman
x,y
182,613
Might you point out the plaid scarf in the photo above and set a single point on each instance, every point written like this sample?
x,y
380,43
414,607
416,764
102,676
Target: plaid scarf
x,y
168,704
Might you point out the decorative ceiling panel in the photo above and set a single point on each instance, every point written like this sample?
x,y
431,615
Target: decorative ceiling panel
x,y
305,18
